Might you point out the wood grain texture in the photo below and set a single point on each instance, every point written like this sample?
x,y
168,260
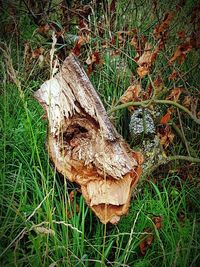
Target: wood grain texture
x,y
84,145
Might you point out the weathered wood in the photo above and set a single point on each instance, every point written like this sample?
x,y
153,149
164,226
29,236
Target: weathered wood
x,y
84,145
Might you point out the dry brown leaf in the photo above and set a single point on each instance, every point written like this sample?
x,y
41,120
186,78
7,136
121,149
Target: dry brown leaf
x,y
187,101
173,75
146,56
154,55
181,34
146,241
147,59
113,6
177,54
142,71
121,36
156,51
165,119
134,42
167,136
44,28
131,94
83,26
79,43
93,59
175,94
158,84
158,222
71,196
71,203
37,52
161,28
181,52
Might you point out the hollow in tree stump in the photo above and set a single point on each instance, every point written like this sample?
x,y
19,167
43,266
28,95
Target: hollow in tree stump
x,y
84,145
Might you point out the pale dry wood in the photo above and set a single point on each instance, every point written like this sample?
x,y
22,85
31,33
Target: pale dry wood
x,y
84,145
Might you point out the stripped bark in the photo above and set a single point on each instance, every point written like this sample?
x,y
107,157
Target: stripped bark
x,y
84,145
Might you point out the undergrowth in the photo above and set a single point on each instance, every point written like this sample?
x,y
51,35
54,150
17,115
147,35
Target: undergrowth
x,y
40,223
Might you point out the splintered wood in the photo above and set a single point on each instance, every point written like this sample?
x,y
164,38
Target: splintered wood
x,y
84,145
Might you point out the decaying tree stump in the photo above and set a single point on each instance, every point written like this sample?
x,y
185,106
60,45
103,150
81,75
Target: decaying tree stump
x,y
84,145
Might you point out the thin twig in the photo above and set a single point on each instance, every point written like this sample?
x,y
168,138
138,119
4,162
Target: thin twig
x,y
178,131
183,134
30,11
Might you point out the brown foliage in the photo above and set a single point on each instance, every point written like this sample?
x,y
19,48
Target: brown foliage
x,y
161,29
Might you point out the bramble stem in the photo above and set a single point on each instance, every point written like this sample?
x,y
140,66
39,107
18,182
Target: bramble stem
x,y
167,160
145,103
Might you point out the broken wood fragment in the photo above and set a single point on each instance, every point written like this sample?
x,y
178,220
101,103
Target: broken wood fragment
x,y
84,145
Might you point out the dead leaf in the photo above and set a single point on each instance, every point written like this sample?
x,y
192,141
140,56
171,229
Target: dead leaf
x,y
175,94
166,136
147,93
79,43
187,101
113,6
156,51
158,222
71,203
146,56
71,196
142,71
120,37
158,84
93,59
173,75
134,42
154,55
181,52
143,247
83,26
37,52
162,27
131,94
96,58
181,34
166,118
146,241
44,28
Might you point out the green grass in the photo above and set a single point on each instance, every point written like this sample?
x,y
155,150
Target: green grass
x,y
35,226
33,196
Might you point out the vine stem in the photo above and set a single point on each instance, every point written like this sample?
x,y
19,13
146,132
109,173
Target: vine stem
x,y
145,103
179,157
167,160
